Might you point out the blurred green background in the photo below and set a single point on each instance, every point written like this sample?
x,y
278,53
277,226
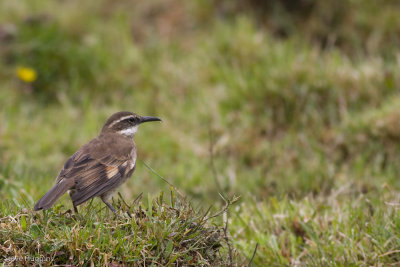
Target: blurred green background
x,y
293,105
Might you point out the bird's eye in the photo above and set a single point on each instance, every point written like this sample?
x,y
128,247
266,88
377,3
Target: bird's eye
x,y
131,120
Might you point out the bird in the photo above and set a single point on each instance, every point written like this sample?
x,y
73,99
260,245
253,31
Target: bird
x,y
99,167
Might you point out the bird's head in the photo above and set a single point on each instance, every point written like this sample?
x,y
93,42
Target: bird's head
x,y
125,123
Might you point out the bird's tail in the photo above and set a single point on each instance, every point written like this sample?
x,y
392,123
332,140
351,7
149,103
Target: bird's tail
x,y
55,193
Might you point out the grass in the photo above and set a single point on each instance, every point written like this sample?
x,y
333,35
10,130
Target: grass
x,y
353,231
306,134
161,233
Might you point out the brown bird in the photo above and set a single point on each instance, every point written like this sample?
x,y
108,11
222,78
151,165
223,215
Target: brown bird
x,y
99,167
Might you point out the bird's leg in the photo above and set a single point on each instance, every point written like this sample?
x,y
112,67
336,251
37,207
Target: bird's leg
x,y
75,208
70,192
110,206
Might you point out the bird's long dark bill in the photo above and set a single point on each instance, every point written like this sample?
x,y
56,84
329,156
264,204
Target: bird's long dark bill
x,y
149,118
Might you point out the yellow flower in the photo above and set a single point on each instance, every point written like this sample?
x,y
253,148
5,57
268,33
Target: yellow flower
x,y
26,74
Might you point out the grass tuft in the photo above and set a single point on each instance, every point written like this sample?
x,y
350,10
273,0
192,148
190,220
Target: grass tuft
x,y
159,233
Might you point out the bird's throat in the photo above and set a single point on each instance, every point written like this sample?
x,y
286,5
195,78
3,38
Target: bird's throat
x,y
130,132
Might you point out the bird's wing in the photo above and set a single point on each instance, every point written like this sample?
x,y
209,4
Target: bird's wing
x,y
96,171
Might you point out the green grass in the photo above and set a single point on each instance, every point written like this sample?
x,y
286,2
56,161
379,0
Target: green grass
x,y
161,233
307,134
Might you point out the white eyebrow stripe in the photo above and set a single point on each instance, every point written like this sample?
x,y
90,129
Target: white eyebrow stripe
x,y
123,118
